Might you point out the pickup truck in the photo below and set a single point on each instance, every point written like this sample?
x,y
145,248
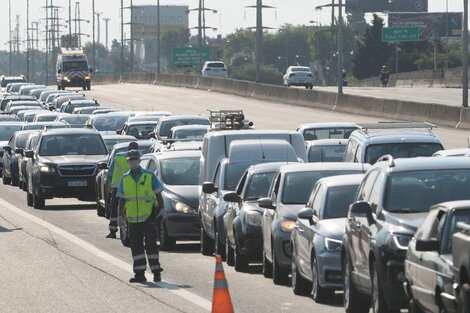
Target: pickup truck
x,y
461,257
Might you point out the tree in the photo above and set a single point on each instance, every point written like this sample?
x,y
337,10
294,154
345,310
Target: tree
x,y
372,53
173,37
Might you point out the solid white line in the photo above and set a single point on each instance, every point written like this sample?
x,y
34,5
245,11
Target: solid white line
x,y
188,296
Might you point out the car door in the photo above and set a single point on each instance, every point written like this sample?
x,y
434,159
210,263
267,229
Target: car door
x,y
268,217
213,201
233,208
7,157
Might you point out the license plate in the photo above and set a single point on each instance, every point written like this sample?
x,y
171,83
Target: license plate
x,y
77,183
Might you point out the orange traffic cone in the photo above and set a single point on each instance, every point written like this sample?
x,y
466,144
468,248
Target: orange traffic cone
x,y
221,302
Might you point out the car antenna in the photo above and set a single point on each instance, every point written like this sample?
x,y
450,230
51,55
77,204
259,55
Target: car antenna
x,y
262,149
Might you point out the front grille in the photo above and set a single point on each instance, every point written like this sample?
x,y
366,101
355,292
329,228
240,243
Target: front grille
x,y
77,170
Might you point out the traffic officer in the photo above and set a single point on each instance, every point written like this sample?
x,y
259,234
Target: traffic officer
x,y
117,169
137,192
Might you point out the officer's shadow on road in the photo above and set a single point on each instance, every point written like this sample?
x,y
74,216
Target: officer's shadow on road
x,y
71,207
186,248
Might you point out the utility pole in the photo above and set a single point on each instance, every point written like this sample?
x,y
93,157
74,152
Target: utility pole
x,y
465,54
94,43
78,24
34,41
10,57
332,13
17,44
340,46
70,19
98,36
201,27
106,20
27,40
158,38
122,38
47,43
132,36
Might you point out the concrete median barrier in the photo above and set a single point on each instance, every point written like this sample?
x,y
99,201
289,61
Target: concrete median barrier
x,y
444,115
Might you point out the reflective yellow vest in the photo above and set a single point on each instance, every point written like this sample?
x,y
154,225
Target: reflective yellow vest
x,y
140,197
120,168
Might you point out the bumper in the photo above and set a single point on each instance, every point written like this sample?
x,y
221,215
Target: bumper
x,y
329,264
183,226
300,82
282,248
54,186
251,242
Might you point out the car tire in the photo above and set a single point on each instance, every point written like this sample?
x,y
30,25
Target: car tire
x,y
100,211
207,243
6,180
267,267
88,86
241,261
25,186
413,307
219,248
20,185
300,286
14,181
378,302
29,199
463,299
319,294
166,242
311,87
124,234
39,203
354,301
280,275
229,254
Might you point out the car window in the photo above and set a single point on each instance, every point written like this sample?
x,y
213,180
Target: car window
x,y
7,131
437,226
457,217
258,186
233,173
424,230
166,126
350,150
375,198
144,163
365,188
334,153
317,201
275,187
328,133
241,183
400,150
180,171
152,166
338,200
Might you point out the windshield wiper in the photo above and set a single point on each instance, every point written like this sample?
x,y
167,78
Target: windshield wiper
x,y
402,210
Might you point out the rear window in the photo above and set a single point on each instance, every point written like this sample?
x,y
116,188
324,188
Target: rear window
x,y
300,69
333,153
168,125
400,150
328,133
109,123
181,171
216,65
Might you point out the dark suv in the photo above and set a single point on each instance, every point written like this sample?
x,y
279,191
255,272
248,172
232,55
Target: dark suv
x,y
64,165
391,202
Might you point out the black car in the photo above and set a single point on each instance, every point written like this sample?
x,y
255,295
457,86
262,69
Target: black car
x,y
391,203
429,265
12,98
64,165
13,151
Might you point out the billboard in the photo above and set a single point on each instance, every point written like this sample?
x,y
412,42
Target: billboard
x,y
144,19
430,24
387,5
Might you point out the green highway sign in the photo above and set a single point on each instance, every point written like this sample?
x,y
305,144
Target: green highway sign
x,y
400,34
190,56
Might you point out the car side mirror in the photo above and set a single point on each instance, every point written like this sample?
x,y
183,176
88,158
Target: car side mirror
x,y
7,149
231,197
118,131
266,203
102,165
151,135
19,151
361,209
427,245
91,70
59,71
29,153
306,214
209,188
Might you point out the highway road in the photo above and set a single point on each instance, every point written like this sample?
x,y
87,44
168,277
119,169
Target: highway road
x,y
57,260
446,96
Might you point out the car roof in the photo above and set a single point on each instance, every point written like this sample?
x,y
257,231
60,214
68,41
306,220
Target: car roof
x,y
131,138
326,142
237,133
341,180
326,166
69,131
453,205
265,167
148,143
425,164
12,123
180,127
27,131
83,101
182,117
141,122
177,154
107,115
397,135
153,113
326,125
16,97
452,152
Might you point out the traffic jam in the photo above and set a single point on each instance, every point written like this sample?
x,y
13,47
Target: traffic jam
x,y
379,212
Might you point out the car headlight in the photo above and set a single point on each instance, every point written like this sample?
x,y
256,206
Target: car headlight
x,y
87,77
182,207
254,218
398,242
66,78
332,244
44,168
287,226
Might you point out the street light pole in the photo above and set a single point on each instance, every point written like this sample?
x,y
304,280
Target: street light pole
x,y
465,54
122,38
340,46
259,38
10,56
158,37
27,40
94,42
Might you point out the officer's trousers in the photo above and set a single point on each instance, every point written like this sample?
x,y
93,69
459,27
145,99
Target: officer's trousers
x,y
113,216
140,233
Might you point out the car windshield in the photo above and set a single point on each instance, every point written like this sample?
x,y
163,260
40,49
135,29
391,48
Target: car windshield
x,y
25,103
190,133
233,173
110,143
297,186
74,119
42,125
6,131
338,200
180,171
141,131
400,150
9,118
109,123
300,69
168,125
75,66
457,217
46,118
333,153
258,186
72,106
328,133
7,81
72,144
20,141
417,191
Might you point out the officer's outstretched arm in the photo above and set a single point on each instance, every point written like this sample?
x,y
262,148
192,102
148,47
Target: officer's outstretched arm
x,y
160,201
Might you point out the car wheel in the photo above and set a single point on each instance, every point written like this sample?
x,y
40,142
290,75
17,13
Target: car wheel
x,y
241,261
39,203
166,242
320,294
300,285
88,86
207,243
14,181
6,180
229,254
124,234
100,211
463,302
280,275
20,185
413,307
267,267
311,87
29,199
378,302
354,302
219,248
25,186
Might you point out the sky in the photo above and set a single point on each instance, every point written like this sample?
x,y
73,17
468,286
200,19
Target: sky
x,y
231,14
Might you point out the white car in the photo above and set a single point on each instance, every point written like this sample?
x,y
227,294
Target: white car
x,y
298,76
214,69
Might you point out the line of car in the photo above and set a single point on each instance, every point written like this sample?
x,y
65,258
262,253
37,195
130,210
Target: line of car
x,y
370,209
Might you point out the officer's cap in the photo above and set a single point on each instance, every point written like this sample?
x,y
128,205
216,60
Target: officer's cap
x,y
133,155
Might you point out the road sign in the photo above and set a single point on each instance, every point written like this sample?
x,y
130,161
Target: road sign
x,y
400,34
387,5
430,24
190,56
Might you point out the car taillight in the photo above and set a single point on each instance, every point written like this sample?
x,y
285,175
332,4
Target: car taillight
x,y
291,75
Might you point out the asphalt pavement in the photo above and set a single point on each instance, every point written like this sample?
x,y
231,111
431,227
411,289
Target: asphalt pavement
x,y
57,260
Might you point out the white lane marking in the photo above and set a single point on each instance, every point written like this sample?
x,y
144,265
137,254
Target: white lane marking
x,y
188,296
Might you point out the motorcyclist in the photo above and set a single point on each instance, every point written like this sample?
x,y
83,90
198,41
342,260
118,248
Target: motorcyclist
x,y
384,75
